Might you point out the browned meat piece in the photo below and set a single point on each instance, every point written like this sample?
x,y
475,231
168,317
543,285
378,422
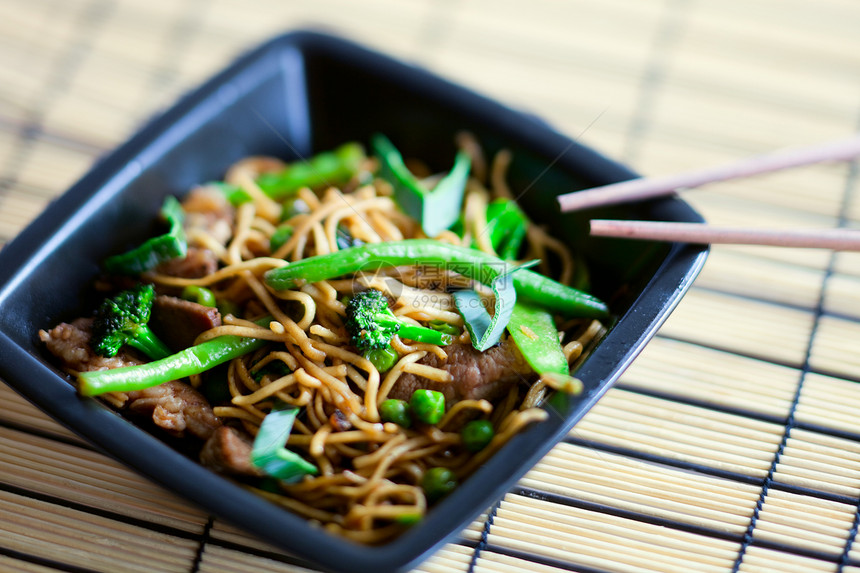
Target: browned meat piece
x,y
339,422
208,209
254,165
71,344
476,375
197,263
229,451
177,322
176,407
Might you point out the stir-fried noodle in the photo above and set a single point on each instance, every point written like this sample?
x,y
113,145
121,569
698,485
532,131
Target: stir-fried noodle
x,y
370,471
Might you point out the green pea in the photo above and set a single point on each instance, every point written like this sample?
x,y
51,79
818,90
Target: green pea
x,y
444,327
199,295
292,207
281,235
477,434
427,406
396,411
438,482
383,358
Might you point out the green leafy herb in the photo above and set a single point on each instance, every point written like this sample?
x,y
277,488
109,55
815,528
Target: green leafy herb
x,y
269,453
486,330
435,209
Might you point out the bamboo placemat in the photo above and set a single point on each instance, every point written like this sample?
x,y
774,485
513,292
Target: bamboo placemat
x,y
732,443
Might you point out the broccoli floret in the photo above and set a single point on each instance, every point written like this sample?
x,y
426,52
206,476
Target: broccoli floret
x,y
371,324
123,319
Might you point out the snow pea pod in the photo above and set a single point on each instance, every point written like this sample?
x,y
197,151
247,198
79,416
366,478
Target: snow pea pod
x,y
530,286
154,251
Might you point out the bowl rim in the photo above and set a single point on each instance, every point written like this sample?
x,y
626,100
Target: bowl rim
x,y
221,497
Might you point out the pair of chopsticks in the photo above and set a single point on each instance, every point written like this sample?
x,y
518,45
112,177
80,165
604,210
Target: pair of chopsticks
x,y
647,188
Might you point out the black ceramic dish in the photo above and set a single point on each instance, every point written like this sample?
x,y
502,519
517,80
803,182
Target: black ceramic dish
x,y
297,94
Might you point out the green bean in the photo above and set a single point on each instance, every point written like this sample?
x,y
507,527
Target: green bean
x,y
507,225
326,168
193,360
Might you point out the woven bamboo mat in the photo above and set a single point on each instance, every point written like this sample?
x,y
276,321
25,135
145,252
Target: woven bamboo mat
x,y
732,443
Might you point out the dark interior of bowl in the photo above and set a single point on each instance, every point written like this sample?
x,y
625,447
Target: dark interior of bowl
x,y
298,94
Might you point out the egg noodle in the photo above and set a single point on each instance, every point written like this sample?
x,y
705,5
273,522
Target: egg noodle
x,y
368,486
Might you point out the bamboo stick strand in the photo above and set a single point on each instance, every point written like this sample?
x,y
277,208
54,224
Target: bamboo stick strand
x,y
88,541
720,378
21,413
762,560
90,478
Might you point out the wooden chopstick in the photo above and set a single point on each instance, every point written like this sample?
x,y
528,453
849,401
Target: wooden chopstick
x,y
835,239
647,188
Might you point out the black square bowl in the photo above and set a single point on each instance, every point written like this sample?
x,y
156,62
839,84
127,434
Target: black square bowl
x,y
296,94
